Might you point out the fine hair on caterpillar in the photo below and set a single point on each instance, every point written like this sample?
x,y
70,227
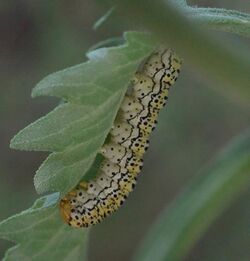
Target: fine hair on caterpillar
x,y
91,201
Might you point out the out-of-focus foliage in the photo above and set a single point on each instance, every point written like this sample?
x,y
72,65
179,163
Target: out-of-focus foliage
x,y
209,194
210,56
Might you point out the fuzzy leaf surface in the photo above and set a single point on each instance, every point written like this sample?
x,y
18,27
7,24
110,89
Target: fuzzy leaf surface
x,y
75,130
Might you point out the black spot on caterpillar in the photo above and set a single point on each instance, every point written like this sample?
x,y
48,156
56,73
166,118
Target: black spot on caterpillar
x,y
90,202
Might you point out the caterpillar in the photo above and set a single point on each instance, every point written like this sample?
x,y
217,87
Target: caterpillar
x,y
91,201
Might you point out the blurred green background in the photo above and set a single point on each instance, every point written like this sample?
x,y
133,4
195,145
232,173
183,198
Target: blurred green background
x,y
40,37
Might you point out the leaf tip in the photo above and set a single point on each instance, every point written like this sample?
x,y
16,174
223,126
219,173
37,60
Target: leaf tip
x,y
15,142
37,184
36,91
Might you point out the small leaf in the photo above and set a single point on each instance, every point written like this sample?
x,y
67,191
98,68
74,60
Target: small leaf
x,y
181,225
41,234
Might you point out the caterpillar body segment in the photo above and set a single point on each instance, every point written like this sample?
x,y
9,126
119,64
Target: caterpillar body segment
x,y
130,104
138,145
92,201
122,156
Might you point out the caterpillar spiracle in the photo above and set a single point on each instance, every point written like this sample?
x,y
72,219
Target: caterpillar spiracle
x,y
91,201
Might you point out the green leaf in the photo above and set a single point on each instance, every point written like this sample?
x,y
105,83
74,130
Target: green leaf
x,y
208,195
41,234
75,130
115,41
91,83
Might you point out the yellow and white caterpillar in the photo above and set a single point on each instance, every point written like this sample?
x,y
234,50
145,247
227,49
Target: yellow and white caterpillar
x,y
91,201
